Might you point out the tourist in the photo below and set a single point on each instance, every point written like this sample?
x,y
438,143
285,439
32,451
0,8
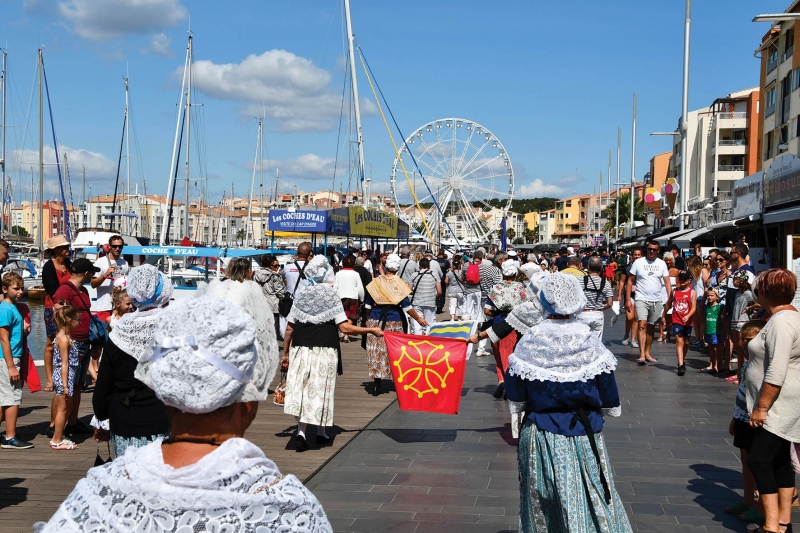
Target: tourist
x,y
560,262
455,290
12,335
135,416
408,267
272,286
75,294
503,298
675,250
773,392
742,301
311,349
112,272
665,327
122,305
54,272
490,275
694,265
739,266
723,278
648,273
425,291
444,267
631,324
574,267
367,263
293,272
713,311
351,292
598,295
684,308
742,433
387,303
205,475
562,377
473,308
66,368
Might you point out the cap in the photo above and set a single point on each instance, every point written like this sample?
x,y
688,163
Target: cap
x,y
82,266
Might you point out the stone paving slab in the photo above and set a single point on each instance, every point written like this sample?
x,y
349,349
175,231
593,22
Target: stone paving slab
x,y
674,464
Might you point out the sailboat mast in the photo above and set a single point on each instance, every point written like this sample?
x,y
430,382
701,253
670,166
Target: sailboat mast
x,y
357,108
261,190
249,224
40,225
188,140
175,152
128,158
3,146
82,207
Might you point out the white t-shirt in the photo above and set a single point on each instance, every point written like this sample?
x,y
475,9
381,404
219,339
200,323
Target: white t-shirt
x,y
103,302
649,278
291,273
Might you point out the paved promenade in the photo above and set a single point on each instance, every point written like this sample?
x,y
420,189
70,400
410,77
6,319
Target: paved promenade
x,y
674,465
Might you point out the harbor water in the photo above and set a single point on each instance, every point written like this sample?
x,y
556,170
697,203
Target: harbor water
x,y
38,338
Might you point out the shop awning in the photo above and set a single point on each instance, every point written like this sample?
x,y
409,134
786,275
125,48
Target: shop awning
x,y
784,215
663,240
686,239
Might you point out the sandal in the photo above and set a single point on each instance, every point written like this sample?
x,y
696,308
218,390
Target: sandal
x,y
652,360
752,515
737,508
732,377
641,362
65,444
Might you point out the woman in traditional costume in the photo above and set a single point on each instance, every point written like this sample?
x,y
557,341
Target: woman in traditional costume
x,y
503,298
311,347
387,302
561,377
205,476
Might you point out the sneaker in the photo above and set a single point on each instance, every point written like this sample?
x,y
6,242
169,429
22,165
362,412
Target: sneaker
x,y
634,344
682,370
15,444
625,341
482,353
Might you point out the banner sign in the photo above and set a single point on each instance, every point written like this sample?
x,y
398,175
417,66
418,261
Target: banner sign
x,y
782,181
372,223
306,221
339,221
428,371
747,195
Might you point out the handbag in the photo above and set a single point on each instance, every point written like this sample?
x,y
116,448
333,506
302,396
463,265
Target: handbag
x,y
98,331
99,461
287,300
279,396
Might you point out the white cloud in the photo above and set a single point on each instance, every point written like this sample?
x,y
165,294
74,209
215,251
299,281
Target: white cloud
x,y
290,89
307,166
537,189
159,45
98,166
101,20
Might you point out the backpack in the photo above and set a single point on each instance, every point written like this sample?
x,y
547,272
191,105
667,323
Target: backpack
x,y
473,275
286,301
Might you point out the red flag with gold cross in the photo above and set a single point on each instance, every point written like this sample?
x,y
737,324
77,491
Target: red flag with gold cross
x,y
428,371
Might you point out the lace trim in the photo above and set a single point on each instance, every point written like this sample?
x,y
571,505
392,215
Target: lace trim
x,y
316,305
525,316
133,333
612,411
493,338
516,407
562,351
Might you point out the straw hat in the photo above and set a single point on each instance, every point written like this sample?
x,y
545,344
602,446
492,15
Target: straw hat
x,y
55,242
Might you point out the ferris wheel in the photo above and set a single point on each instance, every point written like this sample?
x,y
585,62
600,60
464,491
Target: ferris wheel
x,y
467,172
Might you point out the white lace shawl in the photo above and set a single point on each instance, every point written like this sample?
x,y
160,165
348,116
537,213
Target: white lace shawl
x,y
234,488
562,351
133,333
525,316
317,304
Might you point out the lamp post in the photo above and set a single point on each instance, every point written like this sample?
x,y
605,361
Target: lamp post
x,y
685,110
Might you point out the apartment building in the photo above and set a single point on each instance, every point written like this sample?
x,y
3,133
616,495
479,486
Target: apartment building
x,y
26,216
657,177
547,226
532,220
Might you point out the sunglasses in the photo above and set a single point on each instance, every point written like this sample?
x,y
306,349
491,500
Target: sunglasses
x,y
116,246
654,250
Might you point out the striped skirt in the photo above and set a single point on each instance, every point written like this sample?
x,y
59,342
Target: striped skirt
x,y
560,487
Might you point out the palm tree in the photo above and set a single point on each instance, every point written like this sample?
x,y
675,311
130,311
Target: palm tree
x,y
624,211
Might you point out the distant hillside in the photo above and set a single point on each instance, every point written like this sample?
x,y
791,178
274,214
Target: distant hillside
x,y
525,205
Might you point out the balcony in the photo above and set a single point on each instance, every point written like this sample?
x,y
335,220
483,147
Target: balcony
x,y
732,116
772,65
730,168
768,154
788,53
732,142
769,111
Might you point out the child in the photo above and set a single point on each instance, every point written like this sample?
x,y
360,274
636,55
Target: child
x,y
744,299
66,372
11,336
712,340
741,431
684,306
121,303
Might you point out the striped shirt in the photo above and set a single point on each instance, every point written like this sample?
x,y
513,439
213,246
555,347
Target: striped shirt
x,y
595,298
407,270
425,285
490,276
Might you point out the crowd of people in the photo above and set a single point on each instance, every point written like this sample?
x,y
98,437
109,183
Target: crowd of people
x,y
176,384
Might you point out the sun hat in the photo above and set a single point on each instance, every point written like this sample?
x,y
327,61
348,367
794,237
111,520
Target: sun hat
x,y
203,354
56,242
562,294
148,287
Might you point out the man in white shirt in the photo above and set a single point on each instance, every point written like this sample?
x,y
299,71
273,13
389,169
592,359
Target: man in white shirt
x,y
113,268
291,272
649,272
408,268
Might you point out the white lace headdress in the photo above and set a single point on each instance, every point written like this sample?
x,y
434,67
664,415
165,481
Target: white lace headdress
x,y
203,354
317,269
562,294
316,305
393,262
148,287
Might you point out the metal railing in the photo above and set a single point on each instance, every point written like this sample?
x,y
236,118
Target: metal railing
x,y
788,53
730,168
770,110
772,65
732,115
733,142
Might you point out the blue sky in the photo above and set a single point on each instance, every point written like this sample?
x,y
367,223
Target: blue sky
x,y
551,80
